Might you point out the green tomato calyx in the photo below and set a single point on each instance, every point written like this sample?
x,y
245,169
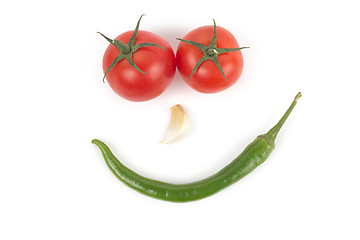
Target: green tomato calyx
x,y
210,52
127,50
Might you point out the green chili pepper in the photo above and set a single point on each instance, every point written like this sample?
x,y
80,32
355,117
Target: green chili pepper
x,y
253,155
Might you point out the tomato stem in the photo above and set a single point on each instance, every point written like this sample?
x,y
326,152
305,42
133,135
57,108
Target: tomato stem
x,y
210,52
126,51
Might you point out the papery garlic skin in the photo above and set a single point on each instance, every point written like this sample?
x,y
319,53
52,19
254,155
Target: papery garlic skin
x,y
179,125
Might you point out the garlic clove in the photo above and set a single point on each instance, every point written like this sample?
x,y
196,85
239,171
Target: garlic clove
x,y
179,125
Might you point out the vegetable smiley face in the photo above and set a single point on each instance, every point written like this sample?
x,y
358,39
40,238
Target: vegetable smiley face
x,y
209,59
138,65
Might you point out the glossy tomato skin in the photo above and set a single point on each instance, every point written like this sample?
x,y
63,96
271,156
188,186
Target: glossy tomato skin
x,y
208,78
158,64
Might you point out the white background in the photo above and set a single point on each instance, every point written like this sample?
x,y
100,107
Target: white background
x,y
54,183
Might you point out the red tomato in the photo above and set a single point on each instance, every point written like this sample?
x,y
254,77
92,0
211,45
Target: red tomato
x,y
158,64
208,78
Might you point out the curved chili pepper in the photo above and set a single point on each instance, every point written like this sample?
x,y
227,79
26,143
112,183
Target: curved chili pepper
x,y
253,155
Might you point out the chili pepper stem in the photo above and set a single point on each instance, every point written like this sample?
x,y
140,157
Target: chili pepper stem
x,y
272,133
